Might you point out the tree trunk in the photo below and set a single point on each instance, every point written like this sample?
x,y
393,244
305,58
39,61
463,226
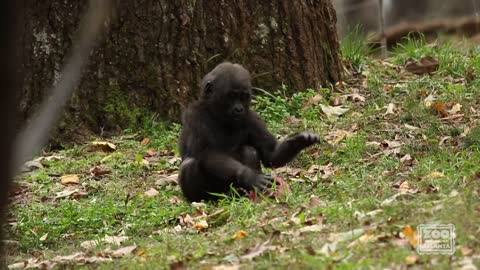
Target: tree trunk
x,y
156,51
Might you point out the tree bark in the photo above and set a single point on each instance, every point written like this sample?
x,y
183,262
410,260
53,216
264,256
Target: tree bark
x,y
156,51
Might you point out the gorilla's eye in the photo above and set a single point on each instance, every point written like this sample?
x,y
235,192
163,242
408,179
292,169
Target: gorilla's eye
x,y
246,96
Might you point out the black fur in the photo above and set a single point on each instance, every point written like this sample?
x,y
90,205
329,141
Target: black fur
x,y
223,142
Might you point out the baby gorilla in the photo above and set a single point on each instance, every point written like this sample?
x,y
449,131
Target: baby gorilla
x,y
222,141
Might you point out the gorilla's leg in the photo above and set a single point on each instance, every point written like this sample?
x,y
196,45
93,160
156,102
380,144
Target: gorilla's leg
x,y
216,172
195,182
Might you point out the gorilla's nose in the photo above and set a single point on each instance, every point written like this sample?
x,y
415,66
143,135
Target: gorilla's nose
x,y
238,109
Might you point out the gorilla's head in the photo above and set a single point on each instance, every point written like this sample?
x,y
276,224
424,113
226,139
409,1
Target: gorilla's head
x,y
227,91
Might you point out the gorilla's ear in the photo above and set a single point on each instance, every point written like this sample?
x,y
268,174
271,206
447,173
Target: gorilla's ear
x,y
207,89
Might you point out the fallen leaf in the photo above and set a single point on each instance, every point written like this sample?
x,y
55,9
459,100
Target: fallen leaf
x,y
175,200
201,225
124,251
289,171
167,180
434,175
151,153
226,267
428,101
104,146
405,187
455,109
328,249
388,88
70,179
333,112
115,240
151,193
356,98
173,160
312,228
316,202
411,259
98,172
410,235
407,126
239,235
293,120
336,101
426,65
145,141
43,238
407,160
66,193
440,108
313,100
336,136
390,109
466,251
31,166
259,250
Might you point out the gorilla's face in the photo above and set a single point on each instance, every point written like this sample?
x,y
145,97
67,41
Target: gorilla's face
x,y
228,92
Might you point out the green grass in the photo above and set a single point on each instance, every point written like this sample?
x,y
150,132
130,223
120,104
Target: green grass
x,y
366,172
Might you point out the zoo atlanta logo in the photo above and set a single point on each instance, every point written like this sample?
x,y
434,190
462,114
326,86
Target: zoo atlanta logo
x,y
436,239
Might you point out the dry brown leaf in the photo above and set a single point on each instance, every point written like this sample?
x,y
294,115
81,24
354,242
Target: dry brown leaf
x,y
174,200
151,153
259,249
77,258
316,202
455,109
410,235
124,251
239,235
289,171
293,120
313,100
173,160
145,141
115,240
407,160
356,98
167,180
98,172
201,225
405,187
312,228
332,112
428,101
411,259
335,101
466,251
440,108
70,179
226,267
151,193
336,136
426,65
434,175
407,126
66,193
104,146
390,109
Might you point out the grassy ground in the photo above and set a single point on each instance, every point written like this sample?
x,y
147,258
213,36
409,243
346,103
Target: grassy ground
x,y
405,153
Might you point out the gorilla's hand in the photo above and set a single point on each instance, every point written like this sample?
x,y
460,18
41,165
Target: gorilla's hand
x,y
253,180
303,140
